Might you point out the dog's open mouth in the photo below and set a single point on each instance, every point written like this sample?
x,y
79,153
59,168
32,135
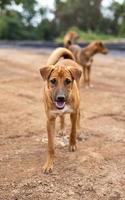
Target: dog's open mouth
x,y
60,104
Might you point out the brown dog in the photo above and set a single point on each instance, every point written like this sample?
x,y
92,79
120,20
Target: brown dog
x,y
84,57
70,38
61,96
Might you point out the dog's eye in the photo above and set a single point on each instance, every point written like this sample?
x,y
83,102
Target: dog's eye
x,y
67,81
53,81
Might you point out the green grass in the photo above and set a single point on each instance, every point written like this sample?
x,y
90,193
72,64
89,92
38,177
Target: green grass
x,y
89,36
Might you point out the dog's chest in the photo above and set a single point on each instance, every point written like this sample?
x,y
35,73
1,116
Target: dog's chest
x,y
65,110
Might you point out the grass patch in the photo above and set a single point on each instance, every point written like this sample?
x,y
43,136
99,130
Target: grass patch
x,y
89,36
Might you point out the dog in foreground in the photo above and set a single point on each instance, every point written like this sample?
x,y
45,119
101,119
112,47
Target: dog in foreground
x,y
84,57
61,96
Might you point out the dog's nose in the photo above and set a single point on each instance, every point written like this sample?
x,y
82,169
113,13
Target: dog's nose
x,y
60,98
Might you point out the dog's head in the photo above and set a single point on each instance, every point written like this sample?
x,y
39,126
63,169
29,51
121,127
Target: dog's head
x,y
100,48
60,80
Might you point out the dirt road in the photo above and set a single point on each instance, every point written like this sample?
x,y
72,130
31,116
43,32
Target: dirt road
x,y
96,171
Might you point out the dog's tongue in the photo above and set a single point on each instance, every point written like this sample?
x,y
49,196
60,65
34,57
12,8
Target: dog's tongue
x,y
60,105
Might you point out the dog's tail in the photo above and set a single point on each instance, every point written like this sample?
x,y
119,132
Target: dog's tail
x,y
68,43
58,53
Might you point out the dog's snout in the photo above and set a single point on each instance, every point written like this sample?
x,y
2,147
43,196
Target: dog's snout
x,y
60,98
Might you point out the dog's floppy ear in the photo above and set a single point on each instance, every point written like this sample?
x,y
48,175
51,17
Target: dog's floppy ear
x,y
75,72
46,71
100,43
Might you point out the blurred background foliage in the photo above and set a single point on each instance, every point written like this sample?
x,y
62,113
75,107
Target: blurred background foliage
x,y
87,17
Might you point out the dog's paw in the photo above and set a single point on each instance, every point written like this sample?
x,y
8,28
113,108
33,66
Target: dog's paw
x,y
62,132
72,147
48,167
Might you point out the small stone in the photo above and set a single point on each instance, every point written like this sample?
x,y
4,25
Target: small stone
x,y
80,184
51,185
70,193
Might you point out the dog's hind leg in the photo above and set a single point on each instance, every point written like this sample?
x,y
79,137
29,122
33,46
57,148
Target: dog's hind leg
x,y
62,125
48,167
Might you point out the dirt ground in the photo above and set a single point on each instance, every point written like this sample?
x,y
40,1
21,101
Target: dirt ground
x,y
96,171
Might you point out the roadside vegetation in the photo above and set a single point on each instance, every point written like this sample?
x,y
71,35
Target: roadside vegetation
x,y
26,20
89,36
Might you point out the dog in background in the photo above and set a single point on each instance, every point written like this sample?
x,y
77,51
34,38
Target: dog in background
x,y
84,57
61,96
70,38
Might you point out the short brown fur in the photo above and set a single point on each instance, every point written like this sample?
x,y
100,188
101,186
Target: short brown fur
x,y
84,57
64,69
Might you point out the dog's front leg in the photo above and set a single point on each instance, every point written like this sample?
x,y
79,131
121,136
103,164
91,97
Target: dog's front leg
x,y
48,167
89,74
72,140
78,126
85,76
